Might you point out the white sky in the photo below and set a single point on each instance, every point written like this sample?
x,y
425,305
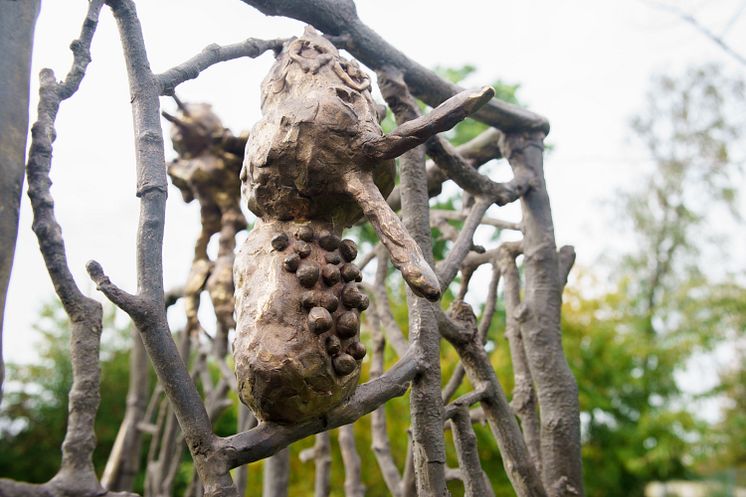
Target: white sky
x,y
583,63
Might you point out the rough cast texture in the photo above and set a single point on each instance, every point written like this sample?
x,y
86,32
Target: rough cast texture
x,y
297,344
315,163
297,300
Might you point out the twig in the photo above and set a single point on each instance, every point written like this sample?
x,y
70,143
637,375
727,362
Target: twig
x,y
690,19
211,55
394,333
566,259
368,258
380,439
476,152
463,402
418,130
475,481
524,398
465,176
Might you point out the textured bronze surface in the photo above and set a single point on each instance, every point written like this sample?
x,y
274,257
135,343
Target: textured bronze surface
x,y
316,162
292,329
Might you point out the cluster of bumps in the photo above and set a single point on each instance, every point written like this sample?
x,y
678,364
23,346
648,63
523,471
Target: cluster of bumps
x,y
325,284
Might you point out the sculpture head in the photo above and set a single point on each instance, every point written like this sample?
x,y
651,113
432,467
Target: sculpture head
x,y
194,129
317,114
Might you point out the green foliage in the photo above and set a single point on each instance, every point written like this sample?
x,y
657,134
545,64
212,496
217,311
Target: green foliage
x,y
663,306
631,433
727,449
34,411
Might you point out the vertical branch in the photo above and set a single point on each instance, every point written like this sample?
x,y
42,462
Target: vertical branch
x,y
379,433
454,382
475,482
353,484
409,485
76,472
17,20
321,454
465,338
246,421
124,459
556,389
425,400
276,474
524,397
322,449
383,308
147,307
162,469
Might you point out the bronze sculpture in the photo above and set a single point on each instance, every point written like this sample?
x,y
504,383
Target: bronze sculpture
x,y
315,163
207,170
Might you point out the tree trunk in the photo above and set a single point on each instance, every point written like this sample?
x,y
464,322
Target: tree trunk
x,y
17,20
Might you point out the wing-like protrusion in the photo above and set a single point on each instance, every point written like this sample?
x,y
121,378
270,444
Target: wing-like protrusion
x,y
417,131
405,253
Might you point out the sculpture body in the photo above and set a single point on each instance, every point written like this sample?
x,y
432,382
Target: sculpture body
x,y
298,306
315,163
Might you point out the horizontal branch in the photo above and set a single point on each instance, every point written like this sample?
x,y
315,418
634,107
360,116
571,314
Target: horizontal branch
x,y
211,55
489,221
463,402
267,438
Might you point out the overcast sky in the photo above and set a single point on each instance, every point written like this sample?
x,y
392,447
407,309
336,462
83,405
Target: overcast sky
x,y
585,64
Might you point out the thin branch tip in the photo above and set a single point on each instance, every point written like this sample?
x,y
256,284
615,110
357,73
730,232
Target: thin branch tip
x,y
96,273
